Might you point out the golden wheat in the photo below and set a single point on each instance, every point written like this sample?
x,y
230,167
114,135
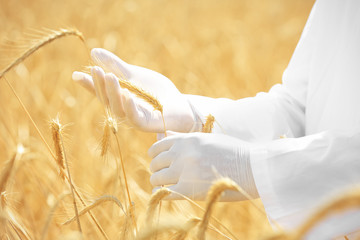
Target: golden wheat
x,y
97,202
209,124
46,40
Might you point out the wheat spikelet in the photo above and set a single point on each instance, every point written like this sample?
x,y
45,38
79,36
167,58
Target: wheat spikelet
x,y
110,125
147,97
48,39
350,199
209,124
214,194
141,93
61,160
56,130
154,202
97,202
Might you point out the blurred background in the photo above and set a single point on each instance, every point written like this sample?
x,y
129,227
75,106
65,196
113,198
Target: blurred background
x,y
227,48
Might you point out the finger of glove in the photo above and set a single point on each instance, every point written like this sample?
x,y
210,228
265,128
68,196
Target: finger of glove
x,y
98,76
113,93
165,176
110,62
131,109
163,145
163,160
85,81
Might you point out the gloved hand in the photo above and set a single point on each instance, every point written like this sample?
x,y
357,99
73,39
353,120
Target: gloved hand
x,y
178,113
190,162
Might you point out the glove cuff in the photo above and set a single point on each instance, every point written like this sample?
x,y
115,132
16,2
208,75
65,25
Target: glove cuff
x,y
245,177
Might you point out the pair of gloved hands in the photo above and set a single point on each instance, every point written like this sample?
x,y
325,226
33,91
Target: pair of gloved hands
x,y
189,162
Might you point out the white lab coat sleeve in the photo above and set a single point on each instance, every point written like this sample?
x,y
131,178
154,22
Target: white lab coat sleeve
x,y
266,116
295,176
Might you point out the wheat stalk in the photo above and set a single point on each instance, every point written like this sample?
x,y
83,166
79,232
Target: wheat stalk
x,y
155,200
125,179
214,218
62,162
6,172
46,40
97,202
51,213
213,196
31,50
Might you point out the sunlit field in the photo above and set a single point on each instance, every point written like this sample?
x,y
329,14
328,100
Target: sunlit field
x,y
230,49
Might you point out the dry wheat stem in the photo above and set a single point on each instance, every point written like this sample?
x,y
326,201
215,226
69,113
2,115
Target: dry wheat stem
x,y
51,213
125,179
212,217
126,229
31,119
97,224
48,39
17,227
154,202
97,202
51,152
213,196
348,200
62,161
7,172
209,124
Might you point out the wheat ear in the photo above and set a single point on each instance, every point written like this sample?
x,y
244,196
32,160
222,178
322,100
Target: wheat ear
x,y
155,200
209,124
348,200
144,95
25,55
214,218
97,202
213,196
62,162
46,40
110,125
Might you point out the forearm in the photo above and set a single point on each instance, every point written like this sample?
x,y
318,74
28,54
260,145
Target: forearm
x,y
257,119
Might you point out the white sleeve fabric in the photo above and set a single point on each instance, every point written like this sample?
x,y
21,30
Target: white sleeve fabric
x,y
316,107
267,116
295,176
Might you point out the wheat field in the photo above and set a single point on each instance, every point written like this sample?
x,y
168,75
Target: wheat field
x,y
230,49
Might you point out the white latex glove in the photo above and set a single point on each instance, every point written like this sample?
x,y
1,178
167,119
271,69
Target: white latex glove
x,y
178,113
190,162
